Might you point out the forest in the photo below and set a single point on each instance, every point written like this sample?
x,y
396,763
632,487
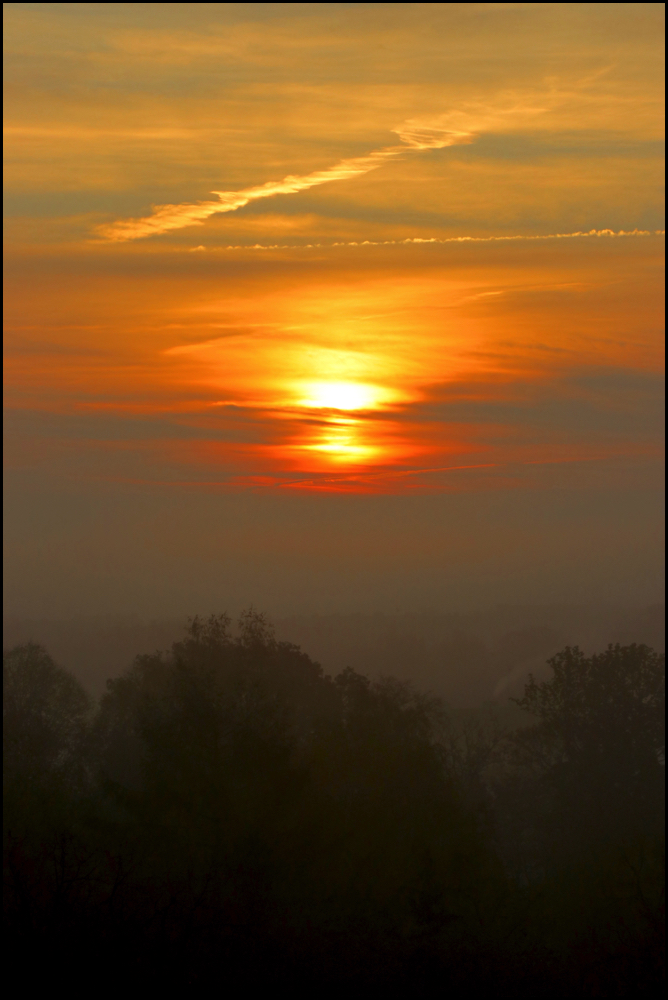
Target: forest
x,y
228,815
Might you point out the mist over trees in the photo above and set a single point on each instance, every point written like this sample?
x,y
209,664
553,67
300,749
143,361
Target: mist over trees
x,y
467,658
230,815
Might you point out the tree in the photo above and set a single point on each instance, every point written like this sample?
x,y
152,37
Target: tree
x,y
45,718
598,748
47,775
267,795
590,791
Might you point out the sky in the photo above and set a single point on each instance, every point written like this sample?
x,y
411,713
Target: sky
x,y
332,307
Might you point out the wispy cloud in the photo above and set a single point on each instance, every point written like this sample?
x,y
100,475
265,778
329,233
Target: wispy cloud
x,y
435,239
414,136
455,127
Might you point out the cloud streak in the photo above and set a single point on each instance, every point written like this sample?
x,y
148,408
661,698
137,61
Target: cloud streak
x,y
434,239
164,218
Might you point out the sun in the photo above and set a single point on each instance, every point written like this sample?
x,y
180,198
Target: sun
x,y
344,396
352,423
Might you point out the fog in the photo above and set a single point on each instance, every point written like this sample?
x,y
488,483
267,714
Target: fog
x,y
467,659
75,547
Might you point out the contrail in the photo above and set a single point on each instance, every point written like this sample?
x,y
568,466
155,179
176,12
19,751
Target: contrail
x,y
163,218
435,239
453,128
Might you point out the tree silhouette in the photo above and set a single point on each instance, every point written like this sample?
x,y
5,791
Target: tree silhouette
x,y
231,813
45,715
600,741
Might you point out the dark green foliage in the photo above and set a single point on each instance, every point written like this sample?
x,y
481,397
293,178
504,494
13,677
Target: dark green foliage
x,y
231,816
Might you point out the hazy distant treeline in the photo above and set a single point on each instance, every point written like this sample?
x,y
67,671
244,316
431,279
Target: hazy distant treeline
x,y
228,815
466,659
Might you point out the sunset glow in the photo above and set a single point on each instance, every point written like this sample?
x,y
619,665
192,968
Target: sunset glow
x,y
343,396
401,277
